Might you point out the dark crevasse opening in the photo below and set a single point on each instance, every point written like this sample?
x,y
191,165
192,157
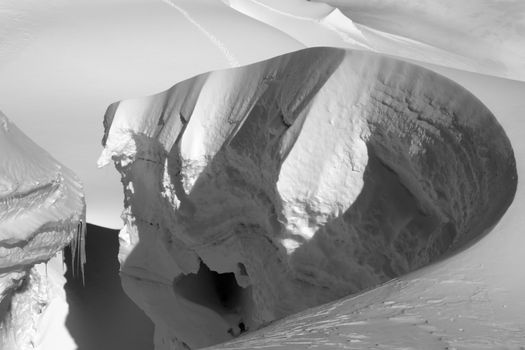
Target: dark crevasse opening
x,y
101,316
218,292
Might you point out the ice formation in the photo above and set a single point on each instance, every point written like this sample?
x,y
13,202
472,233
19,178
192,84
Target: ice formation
x,y
42,210
295,181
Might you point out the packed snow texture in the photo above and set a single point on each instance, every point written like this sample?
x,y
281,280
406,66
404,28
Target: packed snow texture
x,y
42,210
306,177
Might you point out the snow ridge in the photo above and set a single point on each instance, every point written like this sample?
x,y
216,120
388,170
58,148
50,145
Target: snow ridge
x,y
333,20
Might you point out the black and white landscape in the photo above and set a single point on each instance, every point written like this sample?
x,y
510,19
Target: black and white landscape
x,y
248,174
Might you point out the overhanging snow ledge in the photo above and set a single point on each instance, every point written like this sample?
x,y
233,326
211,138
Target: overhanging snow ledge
x,y
321,172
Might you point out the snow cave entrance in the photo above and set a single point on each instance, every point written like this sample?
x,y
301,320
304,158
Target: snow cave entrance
x,y
219,292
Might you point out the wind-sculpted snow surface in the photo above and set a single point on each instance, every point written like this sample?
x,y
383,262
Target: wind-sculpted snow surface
x,y
257,192
41,210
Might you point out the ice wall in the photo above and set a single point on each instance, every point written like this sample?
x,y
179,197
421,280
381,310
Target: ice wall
x,y
42,210
295,181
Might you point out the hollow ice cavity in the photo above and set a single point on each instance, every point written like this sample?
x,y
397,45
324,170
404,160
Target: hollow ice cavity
x,y
306,177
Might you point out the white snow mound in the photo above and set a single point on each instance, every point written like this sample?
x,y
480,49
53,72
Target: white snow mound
x,y
259,191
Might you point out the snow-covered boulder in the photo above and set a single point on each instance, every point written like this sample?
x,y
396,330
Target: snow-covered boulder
x,y
259,191
42,210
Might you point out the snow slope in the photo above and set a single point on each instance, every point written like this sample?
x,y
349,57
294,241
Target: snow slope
x,y
487,34
42,210
480,36
231,181
71,59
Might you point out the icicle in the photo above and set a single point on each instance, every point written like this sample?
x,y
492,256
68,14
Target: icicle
x,y
82,251
78,249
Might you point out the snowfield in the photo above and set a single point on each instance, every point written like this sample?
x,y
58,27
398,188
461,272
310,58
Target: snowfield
x,y
276,155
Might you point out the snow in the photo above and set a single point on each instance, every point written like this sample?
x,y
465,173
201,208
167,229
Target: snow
x,y
66,62
42,210
318,26
100,315
51,333
479,36
73,59
472,300
227,169
415,29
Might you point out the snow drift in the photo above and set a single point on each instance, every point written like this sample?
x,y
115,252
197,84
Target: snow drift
x,y
259,191
414,30
41,210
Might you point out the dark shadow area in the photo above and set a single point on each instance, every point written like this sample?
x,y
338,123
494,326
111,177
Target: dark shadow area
x,y
217,291
101,316
385,232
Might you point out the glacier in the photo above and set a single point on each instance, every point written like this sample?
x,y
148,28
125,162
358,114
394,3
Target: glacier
x,y
296,181
42,210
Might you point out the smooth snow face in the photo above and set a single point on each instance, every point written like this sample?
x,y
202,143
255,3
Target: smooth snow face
x,y
41,210
51,55
455,32
413,29
308,177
